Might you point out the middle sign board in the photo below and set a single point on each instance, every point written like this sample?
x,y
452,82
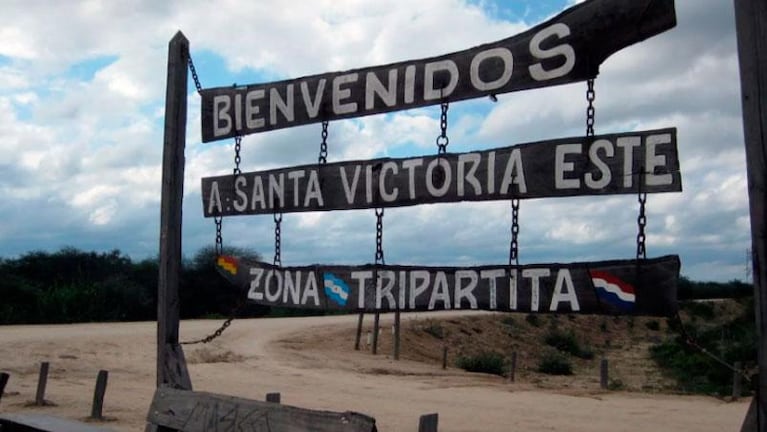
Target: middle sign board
x,y
624,163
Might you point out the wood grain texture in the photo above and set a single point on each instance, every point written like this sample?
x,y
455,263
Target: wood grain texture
x,y
751,29
200,412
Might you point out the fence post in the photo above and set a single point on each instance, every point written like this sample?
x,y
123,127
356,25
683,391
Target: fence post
x,y
396,334
444,357
42,381
376,328
603,377
513,369
98,395
3,381
428,423
359,331
736,380
273,397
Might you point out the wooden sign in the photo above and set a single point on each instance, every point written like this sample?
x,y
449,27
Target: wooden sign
x,y
645,287
567,48
600,165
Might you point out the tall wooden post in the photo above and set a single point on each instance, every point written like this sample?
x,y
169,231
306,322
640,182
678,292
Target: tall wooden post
x,y
397,334
171,365
751,28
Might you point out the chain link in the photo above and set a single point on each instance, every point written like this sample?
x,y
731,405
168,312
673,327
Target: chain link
x,y
219,238
379,257
237,158
590,111
323,157
278,239
514,245
193,70
442,139
642,218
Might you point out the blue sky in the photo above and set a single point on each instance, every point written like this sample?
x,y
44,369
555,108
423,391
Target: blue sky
x,y
81,115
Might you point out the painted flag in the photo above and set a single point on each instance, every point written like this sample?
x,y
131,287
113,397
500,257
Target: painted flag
x,y
335,288
613,291
227,263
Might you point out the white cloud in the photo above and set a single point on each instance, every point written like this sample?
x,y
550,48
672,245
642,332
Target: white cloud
x,y
84,150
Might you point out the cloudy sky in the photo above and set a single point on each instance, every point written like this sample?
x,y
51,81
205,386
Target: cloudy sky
x,y
82,87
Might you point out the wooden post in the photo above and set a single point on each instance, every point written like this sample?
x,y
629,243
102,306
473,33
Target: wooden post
x,y
273,397
359,331
751,29
444,357
513,368
736,380
98,395
171,365
396,334
603,374
42,381
3,381
428,423
376,328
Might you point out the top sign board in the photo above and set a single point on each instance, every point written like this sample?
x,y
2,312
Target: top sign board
x,y
568,48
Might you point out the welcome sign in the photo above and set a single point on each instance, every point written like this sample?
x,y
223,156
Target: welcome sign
x,y
643,287
568,48
600,165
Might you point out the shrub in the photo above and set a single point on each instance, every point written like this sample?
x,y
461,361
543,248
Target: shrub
x,y
533,320
652,325
567,342
553,362
434,328
487,362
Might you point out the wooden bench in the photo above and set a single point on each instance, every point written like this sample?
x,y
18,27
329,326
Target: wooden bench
x,y
44,423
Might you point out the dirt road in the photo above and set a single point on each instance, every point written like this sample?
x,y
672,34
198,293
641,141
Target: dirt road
x,y
258,356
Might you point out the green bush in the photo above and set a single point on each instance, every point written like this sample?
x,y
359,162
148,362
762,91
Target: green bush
x,y
568,343
533,320
434,328
554,362
652,325
487,362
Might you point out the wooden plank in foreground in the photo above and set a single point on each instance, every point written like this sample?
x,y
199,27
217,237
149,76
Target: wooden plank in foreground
x,y
200,412
618,287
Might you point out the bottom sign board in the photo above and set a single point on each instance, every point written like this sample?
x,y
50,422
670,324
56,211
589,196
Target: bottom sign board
x,y
624,287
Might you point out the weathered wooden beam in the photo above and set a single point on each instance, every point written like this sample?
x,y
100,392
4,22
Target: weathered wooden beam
x,y
358,336
171,365
376,331
565,49
397,334
603,374
751,29
201,412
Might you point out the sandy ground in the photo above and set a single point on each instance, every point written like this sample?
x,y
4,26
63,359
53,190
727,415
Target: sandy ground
x,y
258,356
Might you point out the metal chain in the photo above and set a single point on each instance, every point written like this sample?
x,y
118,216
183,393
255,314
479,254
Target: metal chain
x,y
278,239
219,330
323,157
590,111
237,158
193,70
219,238
442,139
641,219
514,245
379,257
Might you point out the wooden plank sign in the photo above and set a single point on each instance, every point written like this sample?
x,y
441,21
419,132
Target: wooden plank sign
x,y
600,165
626,287
200,412
567,48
